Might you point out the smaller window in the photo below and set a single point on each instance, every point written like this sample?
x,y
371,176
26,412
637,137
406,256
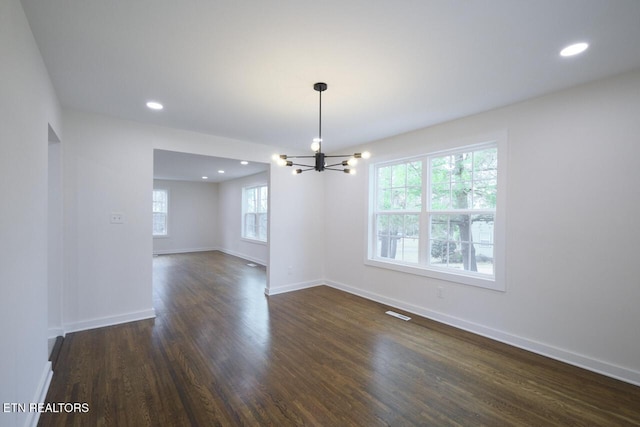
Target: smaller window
x,y
254,212
160,212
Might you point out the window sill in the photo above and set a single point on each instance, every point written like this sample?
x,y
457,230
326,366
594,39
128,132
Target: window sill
x,y
465,279
161,236
257,242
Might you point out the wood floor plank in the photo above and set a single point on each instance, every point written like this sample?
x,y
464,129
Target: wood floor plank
x,y
221,353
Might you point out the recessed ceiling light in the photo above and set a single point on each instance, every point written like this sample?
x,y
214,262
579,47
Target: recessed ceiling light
x,y
574,49
244,162
220,171
205,177
155,105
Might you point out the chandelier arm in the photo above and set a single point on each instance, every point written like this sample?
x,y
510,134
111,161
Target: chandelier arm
x,y
301,157
336,164
340,155
300,164
333,169
308,169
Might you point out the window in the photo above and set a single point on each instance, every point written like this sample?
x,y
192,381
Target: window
x,y
254,213
160,212
436,215
399,200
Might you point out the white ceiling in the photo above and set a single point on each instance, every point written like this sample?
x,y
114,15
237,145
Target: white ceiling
x,y
192,167
245,69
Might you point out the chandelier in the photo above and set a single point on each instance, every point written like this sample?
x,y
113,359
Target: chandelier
x,y
346,165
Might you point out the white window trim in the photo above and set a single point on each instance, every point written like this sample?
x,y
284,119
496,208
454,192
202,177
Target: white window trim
x,y
243,213
254,241
162,236
498,281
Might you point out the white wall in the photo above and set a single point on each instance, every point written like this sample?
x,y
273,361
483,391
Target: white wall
x,y
55,241
193,217
27,106
230,214
296,230
573,276
108,167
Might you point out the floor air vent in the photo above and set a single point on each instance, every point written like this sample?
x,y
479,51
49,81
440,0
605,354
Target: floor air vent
x,y
398,315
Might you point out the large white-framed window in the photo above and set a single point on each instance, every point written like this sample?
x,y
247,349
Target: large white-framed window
x,y
441,214
255,212
160,212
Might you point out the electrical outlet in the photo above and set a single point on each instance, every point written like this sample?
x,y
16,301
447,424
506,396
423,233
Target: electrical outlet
x,y
440,292
116,218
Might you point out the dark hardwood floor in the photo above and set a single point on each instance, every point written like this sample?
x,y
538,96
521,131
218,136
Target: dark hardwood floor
x,y
221,353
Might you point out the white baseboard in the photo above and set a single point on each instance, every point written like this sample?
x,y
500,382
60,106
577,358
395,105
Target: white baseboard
x,y
40,395
53,334
292,287
109,321
243,256
185,250
598,366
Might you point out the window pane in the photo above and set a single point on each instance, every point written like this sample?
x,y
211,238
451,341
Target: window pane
x,y
459,228
482,234
264,199
398,198
396,224
414,198
485,164
390,228
441,196
463,242
410,240
482,228
440,227
410,249
399,175
462,167
456,256
461,195
250,226
159,201
484,194
440,169
382,225
159,224
252,202
441,251
159,196
484,258
384,199
262,226
159,209
398,237
399,187
382,228
384,177
414,174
